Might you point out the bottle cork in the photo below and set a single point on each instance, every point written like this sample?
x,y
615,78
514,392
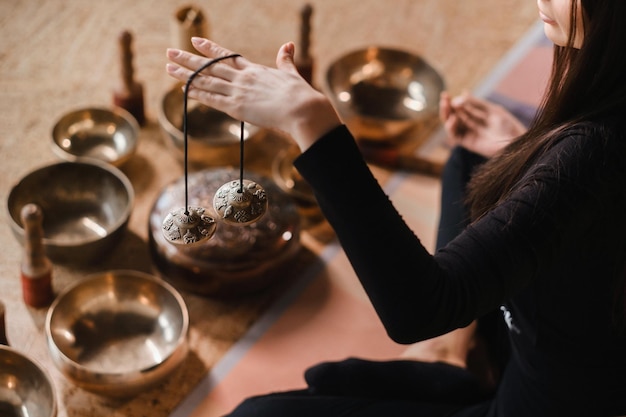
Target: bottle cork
x,y
36,268
129,94
303,59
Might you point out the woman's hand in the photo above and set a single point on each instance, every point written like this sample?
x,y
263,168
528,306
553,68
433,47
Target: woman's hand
x,y
478,125
274,98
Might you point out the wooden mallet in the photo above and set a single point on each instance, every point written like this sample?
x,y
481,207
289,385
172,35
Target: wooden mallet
x,y
129,93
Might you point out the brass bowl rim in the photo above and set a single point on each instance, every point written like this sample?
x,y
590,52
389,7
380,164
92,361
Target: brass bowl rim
x,y
116,172
84,370
177,133
43,373
373,125
131,141
360,50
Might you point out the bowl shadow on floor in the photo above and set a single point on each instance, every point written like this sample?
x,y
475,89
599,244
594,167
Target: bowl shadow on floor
x,y
160,400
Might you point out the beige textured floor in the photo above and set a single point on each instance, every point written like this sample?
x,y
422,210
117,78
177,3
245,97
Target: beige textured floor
x,y
57,55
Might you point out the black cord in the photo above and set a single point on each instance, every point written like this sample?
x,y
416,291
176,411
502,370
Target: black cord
x,y
187,84
241,135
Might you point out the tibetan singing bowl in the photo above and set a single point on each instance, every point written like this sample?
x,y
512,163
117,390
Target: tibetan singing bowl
x,y
289,179
213,137
239,258
118,333
381,93
109,135
25,388
86,206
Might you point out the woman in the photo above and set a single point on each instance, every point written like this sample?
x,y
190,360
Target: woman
x,y
546,244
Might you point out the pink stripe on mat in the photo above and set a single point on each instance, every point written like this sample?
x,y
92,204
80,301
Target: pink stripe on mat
x,y
329,320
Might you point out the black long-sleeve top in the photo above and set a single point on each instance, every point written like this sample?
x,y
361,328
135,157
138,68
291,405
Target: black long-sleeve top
x,y
547,257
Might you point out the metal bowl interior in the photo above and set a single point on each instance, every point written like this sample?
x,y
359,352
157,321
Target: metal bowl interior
x,y
289,179
25,388
109,135
118,333
213,137
382,92
86,206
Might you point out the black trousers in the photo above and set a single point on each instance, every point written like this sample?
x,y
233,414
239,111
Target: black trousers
x,y
454,216
363,388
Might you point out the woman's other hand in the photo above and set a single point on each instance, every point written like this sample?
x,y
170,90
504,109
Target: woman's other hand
x,y
478,125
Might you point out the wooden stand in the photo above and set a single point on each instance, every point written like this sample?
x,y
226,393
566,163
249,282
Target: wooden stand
x,y
303,59
188,21
129,95
36,269
3,328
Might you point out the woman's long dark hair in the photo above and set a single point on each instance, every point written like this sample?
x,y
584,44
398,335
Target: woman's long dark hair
x,y
585,83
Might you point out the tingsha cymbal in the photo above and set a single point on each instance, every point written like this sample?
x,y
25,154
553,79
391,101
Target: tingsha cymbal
x,y
240,202
188,227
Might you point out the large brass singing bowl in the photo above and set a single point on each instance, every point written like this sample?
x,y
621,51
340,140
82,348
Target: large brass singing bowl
x,y
380,93
109,135
26,390
86,206
118,333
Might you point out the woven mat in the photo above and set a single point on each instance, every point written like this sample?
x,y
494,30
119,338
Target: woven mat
x,y
57,55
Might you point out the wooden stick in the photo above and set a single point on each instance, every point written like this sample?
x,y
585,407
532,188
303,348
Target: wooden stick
x,y
36,268
129,95
304,61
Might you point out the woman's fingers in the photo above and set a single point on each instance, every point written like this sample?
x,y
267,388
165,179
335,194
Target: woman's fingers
x,y
224,68
203,82
179,72
209,48
455,127
186,59
285,58
472,120
445,107
471,110
462,114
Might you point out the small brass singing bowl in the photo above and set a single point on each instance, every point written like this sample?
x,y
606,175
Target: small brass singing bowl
x,y
25,388
118,333
380,93
85,204
109,135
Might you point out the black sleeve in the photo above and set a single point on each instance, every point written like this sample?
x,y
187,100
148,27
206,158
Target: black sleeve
x,y
418,295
